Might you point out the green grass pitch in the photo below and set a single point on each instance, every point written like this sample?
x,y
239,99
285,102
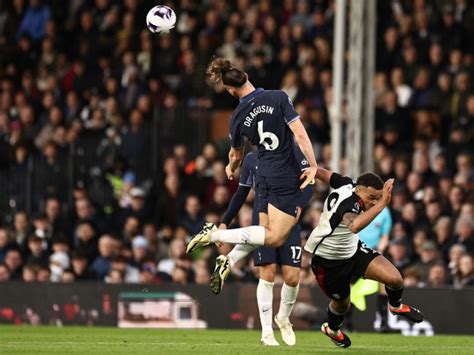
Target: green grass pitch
x,y
76,340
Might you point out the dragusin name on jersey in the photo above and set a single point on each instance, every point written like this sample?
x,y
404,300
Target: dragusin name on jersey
x,y
256,111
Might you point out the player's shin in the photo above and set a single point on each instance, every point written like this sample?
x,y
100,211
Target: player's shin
x,y
335,319
265,305
394,296
239,252
287,301
249,235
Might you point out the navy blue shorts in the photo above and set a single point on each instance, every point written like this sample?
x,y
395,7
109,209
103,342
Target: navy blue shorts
x,y
288,254
282,193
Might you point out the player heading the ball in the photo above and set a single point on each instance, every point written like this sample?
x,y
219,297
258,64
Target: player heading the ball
x,y
268,120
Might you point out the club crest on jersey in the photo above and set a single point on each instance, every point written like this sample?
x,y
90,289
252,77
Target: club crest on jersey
x,y
356,207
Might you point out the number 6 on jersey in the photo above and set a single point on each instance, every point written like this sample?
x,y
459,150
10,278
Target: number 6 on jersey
x,y
274,141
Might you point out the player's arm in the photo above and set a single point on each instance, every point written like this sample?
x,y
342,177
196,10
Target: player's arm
x,y
303,141
235,205
324,175
235,159
240,196
293,121
356,222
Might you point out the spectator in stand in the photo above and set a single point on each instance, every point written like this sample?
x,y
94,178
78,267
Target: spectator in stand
x,y
139,251
59,262
438,277
193,218
108,248
177,258
4,243
29,273
201,272
412,277
37,252
4,273
429,256
122,271
85,239
79,264
465,275
14,263
398,254
21,227
464,233
35,19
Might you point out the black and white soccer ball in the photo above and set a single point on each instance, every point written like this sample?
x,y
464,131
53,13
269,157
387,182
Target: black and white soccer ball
x,y
160,19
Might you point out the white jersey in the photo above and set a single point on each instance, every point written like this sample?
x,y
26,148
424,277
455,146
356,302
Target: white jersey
x,y
331,239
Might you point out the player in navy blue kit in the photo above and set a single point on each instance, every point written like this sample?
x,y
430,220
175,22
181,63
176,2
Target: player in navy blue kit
x,y
288,257
339,255
267,119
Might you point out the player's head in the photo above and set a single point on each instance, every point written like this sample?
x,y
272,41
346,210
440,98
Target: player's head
x,y
369,188
234,79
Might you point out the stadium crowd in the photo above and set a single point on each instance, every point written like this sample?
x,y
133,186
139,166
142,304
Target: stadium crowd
x,y
78,83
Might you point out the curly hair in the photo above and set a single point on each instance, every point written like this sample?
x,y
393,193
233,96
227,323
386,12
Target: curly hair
x,y
370,180
220,69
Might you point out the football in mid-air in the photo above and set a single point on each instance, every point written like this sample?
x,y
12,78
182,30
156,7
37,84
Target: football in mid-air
x,y
160,19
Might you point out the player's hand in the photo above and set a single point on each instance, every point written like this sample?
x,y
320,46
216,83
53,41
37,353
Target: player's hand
x,y
229,172
309,176
387,191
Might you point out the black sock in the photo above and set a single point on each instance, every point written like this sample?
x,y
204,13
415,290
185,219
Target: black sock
x,y
335,319
394,296
382,301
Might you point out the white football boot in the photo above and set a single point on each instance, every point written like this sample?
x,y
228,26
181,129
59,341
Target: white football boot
x,y
269,340
287,333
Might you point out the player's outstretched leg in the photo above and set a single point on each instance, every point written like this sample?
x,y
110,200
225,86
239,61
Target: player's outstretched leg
x,y
210,234
382,270
332,328
201,239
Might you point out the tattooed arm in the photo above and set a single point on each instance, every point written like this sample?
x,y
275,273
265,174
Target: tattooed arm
x,y
356,222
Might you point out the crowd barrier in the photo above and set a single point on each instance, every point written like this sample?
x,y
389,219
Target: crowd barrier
x,y
447,311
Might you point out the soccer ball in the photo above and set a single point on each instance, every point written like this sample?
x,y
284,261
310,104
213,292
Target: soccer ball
x,y
160,19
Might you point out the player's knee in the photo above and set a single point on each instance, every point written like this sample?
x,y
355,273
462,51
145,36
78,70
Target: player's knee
x,y
279,242
274,241
341,306
267,274
395,280
292,280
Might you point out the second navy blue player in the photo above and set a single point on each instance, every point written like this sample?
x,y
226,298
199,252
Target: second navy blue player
x,y
287,256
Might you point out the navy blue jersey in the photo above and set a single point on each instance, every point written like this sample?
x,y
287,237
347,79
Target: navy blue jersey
x,y
262,117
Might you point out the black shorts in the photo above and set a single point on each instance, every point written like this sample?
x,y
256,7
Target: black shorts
x,y
288,254
335,276
282,193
